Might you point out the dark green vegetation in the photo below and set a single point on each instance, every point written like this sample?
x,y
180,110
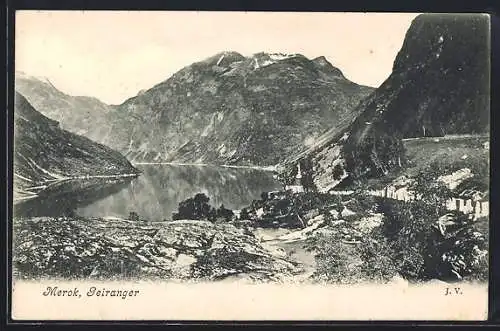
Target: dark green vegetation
x,y
353,238
288,210
259,110
408,244
362,238
273,210
43,152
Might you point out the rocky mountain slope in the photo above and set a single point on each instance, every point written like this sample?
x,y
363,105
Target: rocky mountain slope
x,y
439,86
225,109
77,114
45,153
236,110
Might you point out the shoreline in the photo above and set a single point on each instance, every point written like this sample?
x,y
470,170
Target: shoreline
x,y
271,168
48,183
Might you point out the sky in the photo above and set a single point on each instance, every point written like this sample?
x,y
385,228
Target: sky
x,y
112,55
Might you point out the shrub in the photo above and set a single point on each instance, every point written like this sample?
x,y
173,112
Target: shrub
x,y
412,241
196,208
362,202
421,251
337,172
378,264
338,262
224,213
290,210
244,215
463,251
332,259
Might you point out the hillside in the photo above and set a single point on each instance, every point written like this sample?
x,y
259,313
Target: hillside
x,y
439,86
233,109
44,153
77,114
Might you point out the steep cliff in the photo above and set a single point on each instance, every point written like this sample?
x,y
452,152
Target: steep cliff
x,y
439,86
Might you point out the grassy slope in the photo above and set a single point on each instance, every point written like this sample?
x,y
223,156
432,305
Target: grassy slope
x,y
422,152
449,151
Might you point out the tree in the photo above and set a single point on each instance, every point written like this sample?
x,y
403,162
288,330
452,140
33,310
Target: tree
x,y
434,193
196,208
307,181
133,216
224,213
337,172
244,215
335,259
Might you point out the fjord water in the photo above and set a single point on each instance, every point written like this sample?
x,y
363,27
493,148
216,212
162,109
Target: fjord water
x,y
154,195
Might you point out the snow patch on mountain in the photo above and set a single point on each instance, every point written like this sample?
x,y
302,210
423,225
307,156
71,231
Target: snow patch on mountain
x,y
281,56
220,59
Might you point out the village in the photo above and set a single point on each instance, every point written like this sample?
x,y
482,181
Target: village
x,y
469,201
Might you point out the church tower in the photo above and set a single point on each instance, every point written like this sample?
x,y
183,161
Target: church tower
x,y
298,177
297,185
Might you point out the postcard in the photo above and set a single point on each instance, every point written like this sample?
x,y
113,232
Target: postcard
x,y
197,165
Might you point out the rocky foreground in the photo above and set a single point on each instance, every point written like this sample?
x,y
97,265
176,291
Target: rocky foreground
x,y
121,249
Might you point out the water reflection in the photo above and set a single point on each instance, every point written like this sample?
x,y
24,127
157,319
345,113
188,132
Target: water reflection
x,y
155,194
63,198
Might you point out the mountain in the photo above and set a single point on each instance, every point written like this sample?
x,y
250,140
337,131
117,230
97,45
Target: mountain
x,y
439,86
44,153
225,109
231,109
78,114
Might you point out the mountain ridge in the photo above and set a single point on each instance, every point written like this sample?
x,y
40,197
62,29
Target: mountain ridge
x,y
77,114
224,109
257,97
